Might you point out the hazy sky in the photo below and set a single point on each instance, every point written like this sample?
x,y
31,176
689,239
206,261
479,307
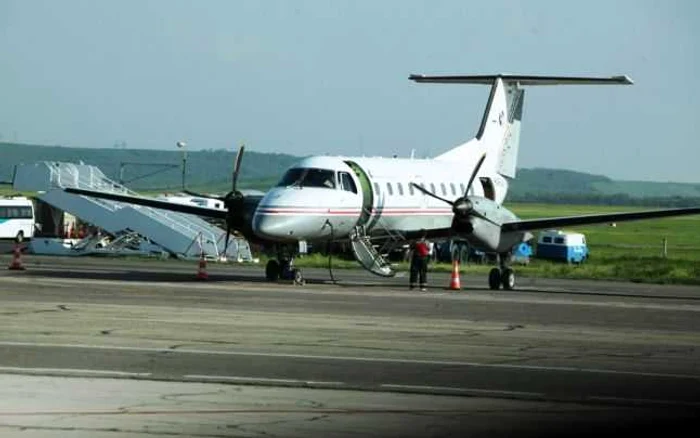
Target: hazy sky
x,y
327,76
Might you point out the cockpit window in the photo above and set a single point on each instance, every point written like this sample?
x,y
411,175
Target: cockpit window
x,y
308,177
346,182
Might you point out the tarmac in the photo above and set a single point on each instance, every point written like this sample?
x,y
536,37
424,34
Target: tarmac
x,y
138,347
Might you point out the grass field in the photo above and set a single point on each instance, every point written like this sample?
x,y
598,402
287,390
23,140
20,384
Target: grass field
x,y
628,251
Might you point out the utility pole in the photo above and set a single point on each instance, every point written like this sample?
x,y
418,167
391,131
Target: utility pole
x,y
182,145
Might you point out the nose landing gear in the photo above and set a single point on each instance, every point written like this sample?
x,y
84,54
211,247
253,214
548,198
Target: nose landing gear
x,y
283,269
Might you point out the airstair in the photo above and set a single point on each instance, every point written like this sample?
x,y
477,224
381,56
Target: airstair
x,y
179,234
367,255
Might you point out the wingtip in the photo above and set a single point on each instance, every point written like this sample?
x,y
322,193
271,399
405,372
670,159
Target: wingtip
x,y
624,79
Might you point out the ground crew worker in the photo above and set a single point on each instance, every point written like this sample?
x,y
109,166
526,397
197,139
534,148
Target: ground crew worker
x,y
419,262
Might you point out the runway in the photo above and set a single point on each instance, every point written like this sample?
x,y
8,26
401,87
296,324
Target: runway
x,y
608,354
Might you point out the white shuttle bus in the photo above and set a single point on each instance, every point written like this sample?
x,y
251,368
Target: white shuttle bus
x,y
16,218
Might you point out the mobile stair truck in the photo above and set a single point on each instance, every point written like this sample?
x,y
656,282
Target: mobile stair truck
x,y
563,246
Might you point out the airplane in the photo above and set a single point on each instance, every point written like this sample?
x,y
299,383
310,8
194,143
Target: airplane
x,y
457,194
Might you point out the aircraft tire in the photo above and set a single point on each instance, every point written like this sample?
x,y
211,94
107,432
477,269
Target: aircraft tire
x,y
508,279
298,277
272,270
495,279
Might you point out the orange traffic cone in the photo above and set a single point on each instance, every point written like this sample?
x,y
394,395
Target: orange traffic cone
x,y
202,269
16,264
454,281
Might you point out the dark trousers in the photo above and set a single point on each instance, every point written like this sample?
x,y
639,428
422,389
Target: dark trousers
x,y
419,270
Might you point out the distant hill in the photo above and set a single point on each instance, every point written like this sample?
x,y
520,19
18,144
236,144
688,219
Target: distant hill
x,y
567,186
206,169
210,170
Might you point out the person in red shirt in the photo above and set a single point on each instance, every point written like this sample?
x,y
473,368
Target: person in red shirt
x,y
419,262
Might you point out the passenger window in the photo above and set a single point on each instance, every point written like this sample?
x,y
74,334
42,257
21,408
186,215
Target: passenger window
x,y
547,239
444,190
462,188
400,188
389,189
410,189
376,188
347,182
432,187
559,240
454,191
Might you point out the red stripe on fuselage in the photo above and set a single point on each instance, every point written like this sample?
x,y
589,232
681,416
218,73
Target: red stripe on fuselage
x,y
390,211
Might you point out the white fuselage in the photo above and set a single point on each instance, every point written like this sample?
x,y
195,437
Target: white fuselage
x,y
379,197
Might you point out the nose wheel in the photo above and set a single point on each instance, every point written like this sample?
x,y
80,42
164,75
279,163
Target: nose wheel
x,y
502,276
283,269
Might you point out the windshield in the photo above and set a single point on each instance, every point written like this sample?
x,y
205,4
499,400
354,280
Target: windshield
x,y
308,177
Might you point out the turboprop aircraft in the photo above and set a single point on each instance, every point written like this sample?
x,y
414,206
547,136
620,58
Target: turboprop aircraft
x,y
457,194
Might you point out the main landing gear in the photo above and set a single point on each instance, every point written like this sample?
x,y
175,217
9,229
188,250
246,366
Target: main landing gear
x,y
283,268
503,275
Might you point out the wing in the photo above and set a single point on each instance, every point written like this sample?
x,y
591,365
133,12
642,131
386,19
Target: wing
x,y
556,222
150,202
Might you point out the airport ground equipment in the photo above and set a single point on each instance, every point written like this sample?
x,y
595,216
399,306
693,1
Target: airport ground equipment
x,y
175,232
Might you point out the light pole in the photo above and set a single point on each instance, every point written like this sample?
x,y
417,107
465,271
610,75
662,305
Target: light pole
x,y
181,145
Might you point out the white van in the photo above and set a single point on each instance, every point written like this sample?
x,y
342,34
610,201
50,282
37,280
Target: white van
x,y
560,245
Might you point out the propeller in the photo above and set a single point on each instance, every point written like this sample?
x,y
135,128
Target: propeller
x,y
461,206
233,199
233,192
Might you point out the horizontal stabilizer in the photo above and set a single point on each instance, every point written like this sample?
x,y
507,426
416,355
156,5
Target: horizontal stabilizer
x,y
524,80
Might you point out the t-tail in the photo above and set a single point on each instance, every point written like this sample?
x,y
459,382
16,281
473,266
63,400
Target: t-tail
x,y
498,137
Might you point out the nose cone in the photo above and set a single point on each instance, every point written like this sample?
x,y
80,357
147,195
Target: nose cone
x,y
271,226
279,216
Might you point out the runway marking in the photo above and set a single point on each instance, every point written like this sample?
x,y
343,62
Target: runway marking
x,y
464,390
353,411
395,290
359,359
644,401
34,370
261,379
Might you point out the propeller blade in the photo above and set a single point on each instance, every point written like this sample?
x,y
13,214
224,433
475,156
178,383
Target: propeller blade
x,y
429,193
476,170
228,235
237,166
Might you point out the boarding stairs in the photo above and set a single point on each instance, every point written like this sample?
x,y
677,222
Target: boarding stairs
x,y
182,235
367,255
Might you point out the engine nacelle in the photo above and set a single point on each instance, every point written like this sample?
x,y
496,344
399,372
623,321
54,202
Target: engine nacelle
x,y
485,235
481,225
